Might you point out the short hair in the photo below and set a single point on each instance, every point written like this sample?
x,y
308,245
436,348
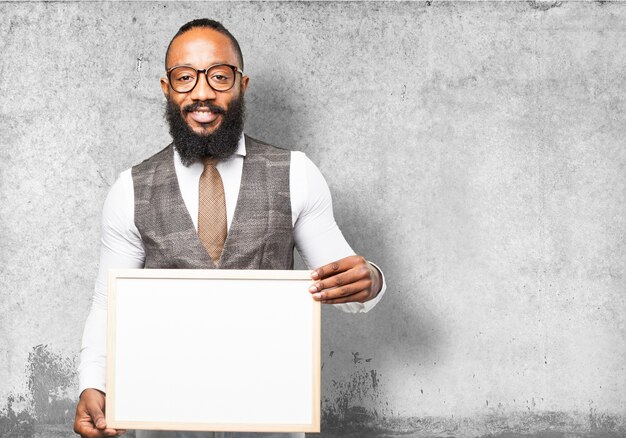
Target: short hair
x,y
207,24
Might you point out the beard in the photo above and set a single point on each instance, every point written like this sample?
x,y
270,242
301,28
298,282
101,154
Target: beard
x,y
221,143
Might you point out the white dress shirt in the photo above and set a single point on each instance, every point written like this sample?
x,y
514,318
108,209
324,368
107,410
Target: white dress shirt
x,y
317,237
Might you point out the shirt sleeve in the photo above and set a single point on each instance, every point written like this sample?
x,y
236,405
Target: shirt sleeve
x,y
317,236
121,248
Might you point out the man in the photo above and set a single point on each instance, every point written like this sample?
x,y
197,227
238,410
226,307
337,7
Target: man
x,y
215,198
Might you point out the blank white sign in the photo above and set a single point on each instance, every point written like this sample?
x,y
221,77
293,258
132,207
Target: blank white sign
x,y
220,350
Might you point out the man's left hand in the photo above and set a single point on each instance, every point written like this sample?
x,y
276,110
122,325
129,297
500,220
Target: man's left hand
x,y
351,279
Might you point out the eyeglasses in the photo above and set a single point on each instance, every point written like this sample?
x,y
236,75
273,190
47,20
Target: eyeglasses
x,y
220,77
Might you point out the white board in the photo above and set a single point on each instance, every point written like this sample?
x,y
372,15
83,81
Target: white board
x,y
213,350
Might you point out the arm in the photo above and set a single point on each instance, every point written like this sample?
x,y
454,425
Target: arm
x,y
121,248
348,281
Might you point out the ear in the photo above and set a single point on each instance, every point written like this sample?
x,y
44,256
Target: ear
x,y
244,84
165,86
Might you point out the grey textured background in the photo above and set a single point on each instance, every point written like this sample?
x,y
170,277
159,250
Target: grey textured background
x,y
474,150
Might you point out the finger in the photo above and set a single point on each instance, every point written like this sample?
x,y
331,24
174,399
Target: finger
x,y
359,297
96,415
356,272
86,429
351,276
344,291
337,267
83,424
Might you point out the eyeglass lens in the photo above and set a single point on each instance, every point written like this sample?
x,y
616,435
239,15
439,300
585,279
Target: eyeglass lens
x,y
184,79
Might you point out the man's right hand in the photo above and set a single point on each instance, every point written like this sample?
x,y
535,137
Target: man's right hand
x,y
89,421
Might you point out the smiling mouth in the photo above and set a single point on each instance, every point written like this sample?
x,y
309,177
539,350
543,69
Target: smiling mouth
x,y
203,115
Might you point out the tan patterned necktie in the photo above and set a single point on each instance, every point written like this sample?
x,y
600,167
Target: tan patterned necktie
x,y
212,210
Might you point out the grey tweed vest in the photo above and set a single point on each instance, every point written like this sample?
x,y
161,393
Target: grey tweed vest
x,y
260,235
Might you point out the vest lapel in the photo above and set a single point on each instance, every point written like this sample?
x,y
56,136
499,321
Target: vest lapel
x,y
174,223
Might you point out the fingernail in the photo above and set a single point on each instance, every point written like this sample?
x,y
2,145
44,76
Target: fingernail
x,y
314,274
313,288
100,423
317,296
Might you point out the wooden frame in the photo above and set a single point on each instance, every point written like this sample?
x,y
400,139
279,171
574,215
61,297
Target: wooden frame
x,y
213,350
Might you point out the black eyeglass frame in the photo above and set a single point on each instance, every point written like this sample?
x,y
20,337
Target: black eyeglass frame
x,y
205,71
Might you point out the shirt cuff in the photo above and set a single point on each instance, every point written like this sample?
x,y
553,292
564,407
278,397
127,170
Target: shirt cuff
x,y
368,305
91,377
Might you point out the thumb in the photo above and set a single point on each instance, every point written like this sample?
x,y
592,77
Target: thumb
x,y
97,416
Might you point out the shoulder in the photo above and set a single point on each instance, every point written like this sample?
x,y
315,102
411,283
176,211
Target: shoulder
x,y
309,189
305,169
123,185
118,206
304,174
165,154
299,160
258,147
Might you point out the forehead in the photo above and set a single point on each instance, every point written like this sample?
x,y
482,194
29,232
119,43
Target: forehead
x,y
201,47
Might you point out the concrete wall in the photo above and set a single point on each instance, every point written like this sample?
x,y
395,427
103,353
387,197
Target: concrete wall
x,y
474,150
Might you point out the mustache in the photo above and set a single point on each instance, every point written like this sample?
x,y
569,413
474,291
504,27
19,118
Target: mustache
x,y
204,105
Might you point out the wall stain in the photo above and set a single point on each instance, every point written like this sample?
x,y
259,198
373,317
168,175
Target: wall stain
x,y
138,66
358,407
359,422
349,400
50,376
139,62
16,424
357,359
374,379
599,422
544,5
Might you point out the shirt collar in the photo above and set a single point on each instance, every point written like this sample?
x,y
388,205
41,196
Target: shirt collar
x,y
241,146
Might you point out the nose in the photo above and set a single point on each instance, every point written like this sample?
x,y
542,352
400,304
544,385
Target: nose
x,y
202,90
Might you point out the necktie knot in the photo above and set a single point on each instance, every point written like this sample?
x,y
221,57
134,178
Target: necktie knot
x,y
209,162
